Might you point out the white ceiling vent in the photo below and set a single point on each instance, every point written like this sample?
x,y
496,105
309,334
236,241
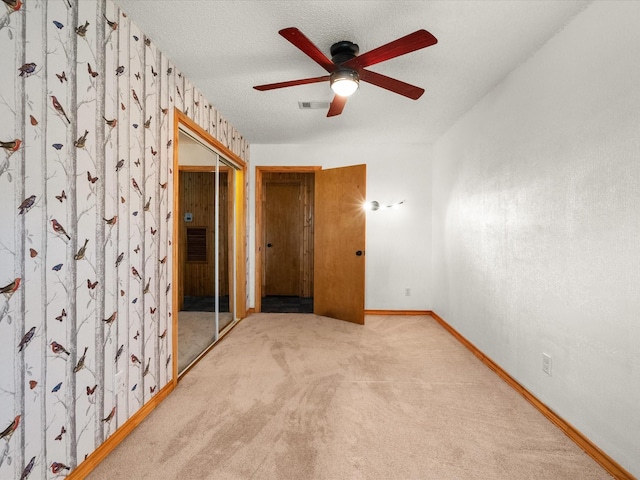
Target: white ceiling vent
x,y
313,105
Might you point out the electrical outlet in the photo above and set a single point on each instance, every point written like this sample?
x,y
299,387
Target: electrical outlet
x,y
546,364
407,292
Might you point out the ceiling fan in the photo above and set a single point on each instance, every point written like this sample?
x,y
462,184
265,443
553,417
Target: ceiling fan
x,y
346,68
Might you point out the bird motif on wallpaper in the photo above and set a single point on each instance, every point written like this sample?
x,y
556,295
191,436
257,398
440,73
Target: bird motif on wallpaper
x,y
59,229
146,369
33,120
81,30
168,361
27,69
135,273
113,25
80,365
112,220
120,164
111,318
166,290
135,185
33,252
11,146
135,98
58,108
58,267
110,416
7,432
135,360
81,140
28,468
10,288
57,348
57,467
111,123
57,146
12,5
81,251
119,352
146,287
163,260
147,205
119,259
26,339
92,73
26,204
147,124
56,388
62,432
32,384
62,76
163,334
168,216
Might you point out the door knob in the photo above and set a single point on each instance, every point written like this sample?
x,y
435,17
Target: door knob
x,y
269,245
359,253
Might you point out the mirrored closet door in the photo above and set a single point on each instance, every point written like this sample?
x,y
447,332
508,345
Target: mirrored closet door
x,y
206,258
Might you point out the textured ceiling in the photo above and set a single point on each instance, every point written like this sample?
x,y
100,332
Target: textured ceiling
x,y
226,47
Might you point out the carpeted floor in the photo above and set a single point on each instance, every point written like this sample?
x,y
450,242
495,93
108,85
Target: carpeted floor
x,y
305,397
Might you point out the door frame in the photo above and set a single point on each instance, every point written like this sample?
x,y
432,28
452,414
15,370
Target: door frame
x,y
260,221
182,122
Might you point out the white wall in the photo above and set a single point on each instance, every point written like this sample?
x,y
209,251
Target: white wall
x,y
536,235
398,243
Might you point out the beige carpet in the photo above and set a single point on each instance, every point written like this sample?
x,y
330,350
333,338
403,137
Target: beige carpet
x,y
288,396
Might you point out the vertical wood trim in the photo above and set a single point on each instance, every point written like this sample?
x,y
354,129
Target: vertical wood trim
x,y
177,285
259,241
240,244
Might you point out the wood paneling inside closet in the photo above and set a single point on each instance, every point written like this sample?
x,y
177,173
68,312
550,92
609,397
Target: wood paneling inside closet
x,y
198,196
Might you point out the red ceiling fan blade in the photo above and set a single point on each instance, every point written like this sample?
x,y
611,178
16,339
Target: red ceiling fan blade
x,y
292,83
337,105
296,37
391,84
407,44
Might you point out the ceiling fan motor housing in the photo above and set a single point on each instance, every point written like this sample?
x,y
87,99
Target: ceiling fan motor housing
x,y
343,51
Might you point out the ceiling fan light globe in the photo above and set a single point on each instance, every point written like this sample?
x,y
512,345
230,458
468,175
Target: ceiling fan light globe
x,y
344,87
344,82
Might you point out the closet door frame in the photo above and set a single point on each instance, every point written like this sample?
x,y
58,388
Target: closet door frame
x,y
184,124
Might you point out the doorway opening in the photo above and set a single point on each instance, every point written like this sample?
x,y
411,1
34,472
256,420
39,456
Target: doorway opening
x,y
284,239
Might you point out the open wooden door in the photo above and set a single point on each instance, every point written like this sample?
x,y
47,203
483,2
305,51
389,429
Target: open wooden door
x,y
339,246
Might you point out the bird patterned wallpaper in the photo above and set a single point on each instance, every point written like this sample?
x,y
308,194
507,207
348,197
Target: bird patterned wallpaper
x,y
86,158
